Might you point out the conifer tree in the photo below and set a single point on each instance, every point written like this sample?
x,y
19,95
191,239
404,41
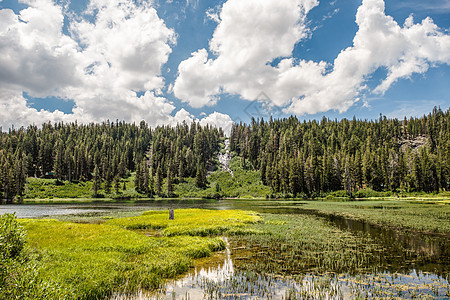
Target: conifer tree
x,y
95,181
159,181
117,184
200,176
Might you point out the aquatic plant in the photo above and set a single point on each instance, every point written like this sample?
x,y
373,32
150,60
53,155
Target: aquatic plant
x,y
431,217
295,244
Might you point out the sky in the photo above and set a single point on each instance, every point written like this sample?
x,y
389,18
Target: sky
x,y
220,62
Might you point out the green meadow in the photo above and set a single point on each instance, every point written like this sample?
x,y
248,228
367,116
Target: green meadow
x,y
93,261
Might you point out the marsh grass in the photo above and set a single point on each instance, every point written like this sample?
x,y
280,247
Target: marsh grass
x,y
248,285
92,261
431,217
305,257
193,222
295,244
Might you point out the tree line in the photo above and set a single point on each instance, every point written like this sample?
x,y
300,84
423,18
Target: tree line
x,y
314,157
293,157
105,153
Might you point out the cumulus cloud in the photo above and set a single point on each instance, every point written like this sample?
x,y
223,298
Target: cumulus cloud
x,y
214,119
218,120
213,15
181,116
249,36
126,45
245,48
379,43
117,50
34,54
14,112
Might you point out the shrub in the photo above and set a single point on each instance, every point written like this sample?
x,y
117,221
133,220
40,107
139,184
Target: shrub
x,y
12,237
19,277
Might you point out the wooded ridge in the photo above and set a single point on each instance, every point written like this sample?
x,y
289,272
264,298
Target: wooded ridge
x,y
292,157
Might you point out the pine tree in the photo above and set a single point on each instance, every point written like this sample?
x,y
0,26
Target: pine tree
x,y
145,177
117,184
169,183
108,178
138,179
159,181
95,182
200,176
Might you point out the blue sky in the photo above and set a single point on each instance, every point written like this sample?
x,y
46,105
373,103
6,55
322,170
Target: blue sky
x,y
221,61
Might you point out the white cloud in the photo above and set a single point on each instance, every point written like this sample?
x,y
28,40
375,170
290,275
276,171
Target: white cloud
x,y
379,42
117,50
34,54
214,119
181,116
126,46
218,120
100,65
14,112
245,45
213,14
249,36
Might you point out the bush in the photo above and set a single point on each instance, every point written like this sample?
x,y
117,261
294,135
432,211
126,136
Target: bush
x,y
18,269
12,237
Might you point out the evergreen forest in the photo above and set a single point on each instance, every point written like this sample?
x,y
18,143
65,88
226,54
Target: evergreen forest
x,y
289,157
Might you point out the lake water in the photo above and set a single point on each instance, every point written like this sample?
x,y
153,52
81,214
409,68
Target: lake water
x,y
415,265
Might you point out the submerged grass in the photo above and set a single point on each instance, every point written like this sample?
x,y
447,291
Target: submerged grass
x,y
432,217
295,244
319,260
91,261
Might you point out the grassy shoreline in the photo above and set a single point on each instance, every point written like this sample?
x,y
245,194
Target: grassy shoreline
x,y
417,216
426,215
245,184
439,199
124,255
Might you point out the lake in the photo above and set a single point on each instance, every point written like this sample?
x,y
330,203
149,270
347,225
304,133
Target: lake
x,y
411,263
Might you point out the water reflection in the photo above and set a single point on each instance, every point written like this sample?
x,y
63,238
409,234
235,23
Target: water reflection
x,y
194,283
218,278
